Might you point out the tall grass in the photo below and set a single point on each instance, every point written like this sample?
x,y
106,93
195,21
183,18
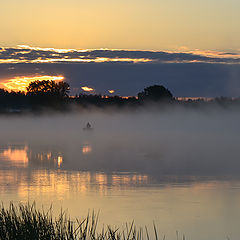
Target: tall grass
x,y
26,222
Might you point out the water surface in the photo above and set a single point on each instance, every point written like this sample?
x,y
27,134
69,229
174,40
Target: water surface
x,y
179,170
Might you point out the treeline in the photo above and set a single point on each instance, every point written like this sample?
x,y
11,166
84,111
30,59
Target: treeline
x,y
41,95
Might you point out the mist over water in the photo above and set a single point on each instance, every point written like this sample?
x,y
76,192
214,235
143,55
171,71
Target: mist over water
x,y
168,142
177,166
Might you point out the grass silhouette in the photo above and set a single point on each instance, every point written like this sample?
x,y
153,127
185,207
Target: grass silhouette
x,y
26,222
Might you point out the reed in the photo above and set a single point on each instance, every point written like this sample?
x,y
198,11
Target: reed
x,y
26,222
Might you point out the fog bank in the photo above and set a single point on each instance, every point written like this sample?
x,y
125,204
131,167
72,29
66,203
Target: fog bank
x,y
176,142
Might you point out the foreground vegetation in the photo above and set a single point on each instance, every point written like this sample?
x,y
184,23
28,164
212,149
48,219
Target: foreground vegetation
x,y
24,222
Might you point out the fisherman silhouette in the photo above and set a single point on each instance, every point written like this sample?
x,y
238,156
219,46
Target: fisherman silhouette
x,y
88,127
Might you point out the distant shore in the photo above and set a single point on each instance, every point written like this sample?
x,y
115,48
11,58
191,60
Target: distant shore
x,y
54,96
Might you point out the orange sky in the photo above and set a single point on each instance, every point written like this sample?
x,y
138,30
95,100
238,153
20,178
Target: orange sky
x,y
20,83
135,24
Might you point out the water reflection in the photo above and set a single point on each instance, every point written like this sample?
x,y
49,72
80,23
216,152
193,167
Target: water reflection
x,y
124,197
15,155
48,156
49,174
86,149
59,161
23,156
39,155
60,182
40,168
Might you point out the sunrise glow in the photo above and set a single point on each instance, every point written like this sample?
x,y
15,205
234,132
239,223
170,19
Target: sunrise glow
x,y
21,83
123,111
87,89
111,91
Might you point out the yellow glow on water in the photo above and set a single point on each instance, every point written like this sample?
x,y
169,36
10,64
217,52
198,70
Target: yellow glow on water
x,y
20,83
53,184
62,185
17,157
86,149
59,161
87,89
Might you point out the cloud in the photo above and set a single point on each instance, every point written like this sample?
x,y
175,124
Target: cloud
x,y
186,74
27,54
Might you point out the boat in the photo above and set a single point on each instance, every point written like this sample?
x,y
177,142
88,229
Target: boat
x,y
88,127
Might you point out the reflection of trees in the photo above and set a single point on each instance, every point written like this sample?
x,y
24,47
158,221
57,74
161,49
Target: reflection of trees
x,y
14,155
24,155
50,156
44,182
39,155
86,149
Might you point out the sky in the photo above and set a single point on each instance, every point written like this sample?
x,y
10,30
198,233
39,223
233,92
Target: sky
x,y
205,29
134,24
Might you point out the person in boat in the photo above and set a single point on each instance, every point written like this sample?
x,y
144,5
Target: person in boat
x,y
88,126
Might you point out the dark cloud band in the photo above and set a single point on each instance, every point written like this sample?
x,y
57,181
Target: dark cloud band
x,y
192,74
25,54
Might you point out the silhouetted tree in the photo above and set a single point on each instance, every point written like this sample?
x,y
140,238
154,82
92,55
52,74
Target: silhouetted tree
x,y
48,88
47,93
155,93
63,89
12,100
